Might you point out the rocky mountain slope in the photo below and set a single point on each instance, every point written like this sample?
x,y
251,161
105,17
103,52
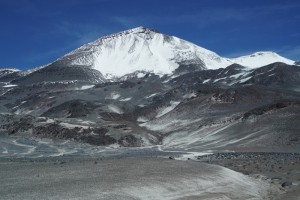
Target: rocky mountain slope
x,y
165,91
234,108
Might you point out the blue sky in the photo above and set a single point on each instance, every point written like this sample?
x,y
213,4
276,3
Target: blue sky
x,y
37,32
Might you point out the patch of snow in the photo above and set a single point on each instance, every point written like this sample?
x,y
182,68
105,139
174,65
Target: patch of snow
x,y
112,146
140,75
142,119
167,109
115,109
165,126
174,76
126,99
5,151
205,135
71,126
151,95
85,87
245,79
237,75
190,95
216,80
170,78
205,81
113,95
10,85
191,155
50,120
85,122
23,112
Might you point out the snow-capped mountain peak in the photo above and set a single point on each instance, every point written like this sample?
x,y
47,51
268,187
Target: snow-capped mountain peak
x,y
145,49
141,49
261,58
136,30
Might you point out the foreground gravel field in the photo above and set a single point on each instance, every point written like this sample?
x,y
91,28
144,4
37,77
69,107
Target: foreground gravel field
x,y
127,178
43,169
282,169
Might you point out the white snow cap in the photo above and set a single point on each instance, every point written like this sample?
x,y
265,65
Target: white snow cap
x,y
146,49
259,59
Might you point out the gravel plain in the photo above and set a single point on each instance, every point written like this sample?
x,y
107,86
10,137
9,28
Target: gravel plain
x,y
127,178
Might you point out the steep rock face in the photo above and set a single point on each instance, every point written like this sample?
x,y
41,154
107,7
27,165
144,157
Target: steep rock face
x,y
275,75
56,73
9,74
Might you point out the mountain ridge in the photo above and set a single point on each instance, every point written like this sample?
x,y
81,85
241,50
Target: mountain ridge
x,y
146,49
132,51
